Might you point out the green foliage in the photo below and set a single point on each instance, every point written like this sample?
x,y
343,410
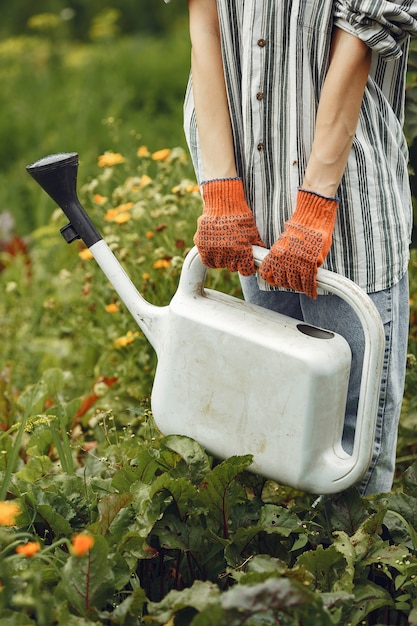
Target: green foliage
x,y
77,19
176,537
63,94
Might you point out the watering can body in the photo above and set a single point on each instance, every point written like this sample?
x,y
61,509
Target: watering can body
x,y
241,379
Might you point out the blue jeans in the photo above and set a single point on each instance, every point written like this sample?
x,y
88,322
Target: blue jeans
x,y
332,313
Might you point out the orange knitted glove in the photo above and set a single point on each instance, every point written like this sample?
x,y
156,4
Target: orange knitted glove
x,y
295,257
226,230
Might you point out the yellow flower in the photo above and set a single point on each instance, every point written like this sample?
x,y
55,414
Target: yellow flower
x,y
122,218
161,264
8,513
29,549
108,159
85,254
125,340
112,308
145,180
81,544
146,276
161,155
142,151
185,187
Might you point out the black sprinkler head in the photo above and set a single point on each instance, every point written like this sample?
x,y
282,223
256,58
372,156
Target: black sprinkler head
x,y
57,175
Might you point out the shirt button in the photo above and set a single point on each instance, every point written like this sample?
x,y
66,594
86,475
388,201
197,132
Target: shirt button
x,y
260,95
261,43
260,146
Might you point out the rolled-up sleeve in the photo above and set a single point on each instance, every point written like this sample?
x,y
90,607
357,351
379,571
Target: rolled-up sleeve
x,y
382,25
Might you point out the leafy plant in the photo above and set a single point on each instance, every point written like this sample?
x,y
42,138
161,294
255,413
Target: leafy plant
x,y
121,525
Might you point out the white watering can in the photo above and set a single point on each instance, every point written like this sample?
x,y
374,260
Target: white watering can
x,y
238,378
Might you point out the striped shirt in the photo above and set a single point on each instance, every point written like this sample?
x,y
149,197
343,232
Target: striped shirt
x,y
275,55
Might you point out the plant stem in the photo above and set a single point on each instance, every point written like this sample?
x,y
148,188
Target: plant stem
x,y
11,464
63,449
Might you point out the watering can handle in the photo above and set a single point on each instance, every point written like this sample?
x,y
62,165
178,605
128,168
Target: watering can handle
x,y
373,329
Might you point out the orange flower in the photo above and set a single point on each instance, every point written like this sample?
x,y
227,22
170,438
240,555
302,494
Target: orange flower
x,y
161,264
108,159
8,513
112,308
99,199
119,214
81,544
161,155
142,151
29,549
85,254
149,234
146,276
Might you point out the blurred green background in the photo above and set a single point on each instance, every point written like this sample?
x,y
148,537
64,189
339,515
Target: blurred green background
x,y
95,75
85,76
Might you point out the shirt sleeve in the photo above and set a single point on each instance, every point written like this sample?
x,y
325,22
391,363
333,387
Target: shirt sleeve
x,y
382,24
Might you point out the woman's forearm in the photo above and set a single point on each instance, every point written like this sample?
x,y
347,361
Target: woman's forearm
x,y
209,91
338,113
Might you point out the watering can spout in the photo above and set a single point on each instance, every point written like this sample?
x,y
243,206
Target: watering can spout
x,y
57,175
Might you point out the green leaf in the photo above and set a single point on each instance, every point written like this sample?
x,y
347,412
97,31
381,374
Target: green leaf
x,y
109,508
214,615
198,596
192,453
147,509
368,598
131,607
69,496
274,594
134,547
239,541
401,518
11,618
343,544
175,534
40,439
184,494
328,567
33,398
88,581
345,511
396,556
54,379
219,492
367,534
44,515
35,468
410,480
143,468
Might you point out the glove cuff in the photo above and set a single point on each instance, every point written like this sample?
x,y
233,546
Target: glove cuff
x,y
223,196
312,209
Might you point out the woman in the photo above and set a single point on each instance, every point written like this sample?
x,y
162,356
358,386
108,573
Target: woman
x,y
294,119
